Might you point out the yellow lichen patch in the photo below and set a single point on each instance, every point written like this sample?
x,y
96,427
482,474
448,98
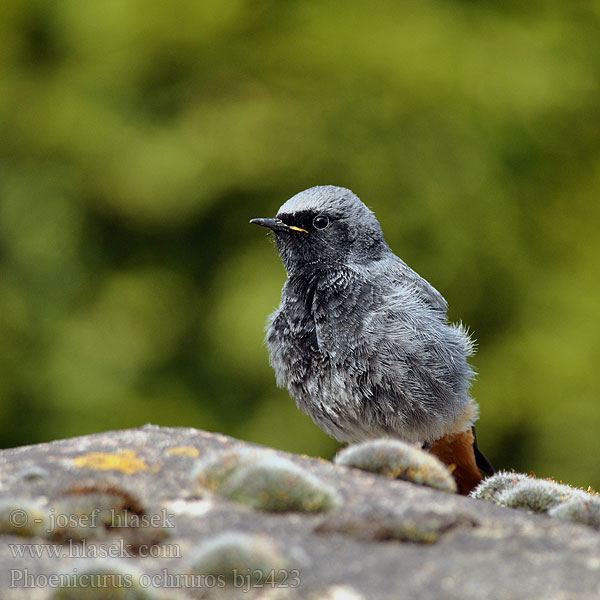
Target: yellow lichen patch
x,y
125,461
183,450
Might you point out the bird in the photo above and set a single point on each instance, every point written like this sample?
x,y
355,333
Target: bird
x,y
362,342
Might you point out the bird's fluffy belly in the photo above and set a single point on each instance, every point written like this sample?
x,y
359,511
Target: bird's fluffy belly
x,y
344,391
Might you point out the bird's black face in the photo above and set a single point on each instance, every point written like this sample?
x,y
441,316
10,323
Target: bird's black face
x,y
311,233
309,237
315,238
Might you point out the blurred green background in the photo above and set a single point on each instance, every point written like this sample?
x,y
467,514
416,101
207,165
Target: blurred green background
x,y
137,138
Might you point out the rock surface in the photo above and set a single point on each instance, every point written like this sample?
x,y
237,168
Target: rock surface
x,y
136,495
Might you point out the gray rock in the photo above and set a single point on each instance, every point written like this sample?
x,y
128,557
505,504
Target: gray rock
x,y
387,538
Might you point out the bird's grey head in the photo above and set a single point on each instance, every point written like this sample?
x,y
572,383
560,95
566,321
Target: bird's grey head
x,y
325,225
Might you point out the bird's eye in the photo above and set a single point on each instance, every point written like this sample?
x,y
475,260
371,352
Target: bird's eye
x,y
320,222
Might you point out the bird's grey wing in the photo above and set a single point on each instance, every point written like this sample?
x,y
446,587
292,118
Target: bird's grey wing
x,y
427,292
416,365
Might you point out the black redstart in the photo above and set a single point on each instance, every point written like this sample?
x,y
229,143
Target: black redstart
x,y
362,342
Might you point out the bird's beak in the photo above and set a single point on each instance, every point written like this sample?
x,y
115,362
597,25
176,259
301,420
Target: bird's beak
x,y
276,225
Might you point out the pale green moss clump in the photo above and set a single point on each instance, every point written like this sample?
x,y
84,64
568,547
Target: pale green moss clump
x,y
398,460
491,488
581,510
266,482
213,471
517,490
426,526
232,554
423,526
23,517
538,495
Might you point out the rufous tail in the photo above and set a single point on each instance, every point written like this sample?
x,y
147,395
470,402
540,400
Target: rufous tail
x,y
460,452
